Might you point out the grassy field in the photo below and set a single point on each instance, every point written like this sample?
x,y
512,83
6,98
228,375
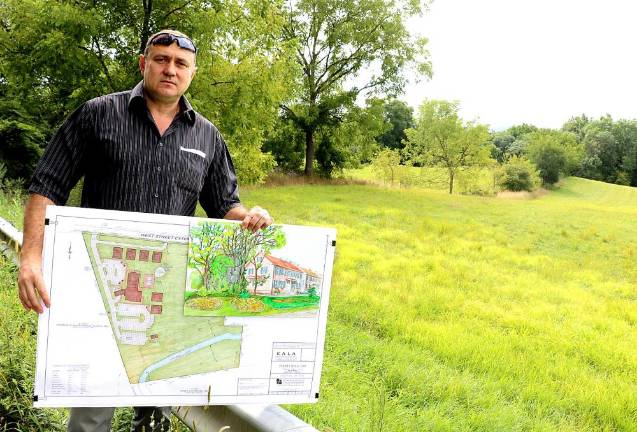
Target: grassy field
x,y
463,313
459,313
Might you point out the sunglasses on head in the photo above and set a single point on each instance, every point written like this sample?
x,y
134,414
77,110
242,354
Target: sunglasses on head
x,y
167,39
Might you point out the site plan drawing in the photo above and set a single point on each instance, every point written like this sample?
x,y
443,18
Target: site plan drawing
x,y
170,310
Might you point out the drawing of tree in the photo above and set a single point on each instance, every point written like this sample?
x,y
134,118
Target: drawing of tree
x,y
246,247
205,254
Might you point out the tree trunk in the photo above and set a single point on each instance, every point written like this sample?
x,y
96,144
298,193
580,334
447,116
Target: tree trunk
x,y
309,152
145,33
450,182
206,278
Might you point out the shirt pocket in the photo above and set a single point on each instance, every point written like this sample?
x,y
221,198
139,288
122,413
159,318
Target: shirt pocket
x,y
191,170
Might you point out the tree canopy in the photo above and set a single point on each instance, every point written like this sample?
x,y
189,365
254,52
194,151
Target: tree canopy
x,y
54,61
400,116
338,39
442,138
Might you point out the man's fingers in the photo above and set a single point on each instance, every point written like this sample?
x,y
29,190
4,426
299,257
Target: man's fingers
x,y
256,222
256,219
33,299
24,305
246,221
39,284
22,294
250,221
30,283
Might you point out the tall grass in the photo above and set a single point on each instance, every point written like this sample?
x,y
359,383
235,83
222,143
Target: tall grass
x,y
466,313
12,207
17,352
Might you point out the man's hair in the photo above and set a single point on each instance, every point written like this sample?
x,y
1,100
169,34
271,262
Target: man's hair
x,y
169,31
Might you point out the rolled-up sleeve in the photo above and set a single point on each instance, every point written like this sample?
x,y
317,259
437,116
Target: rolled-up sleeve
x,y
220,192
62,163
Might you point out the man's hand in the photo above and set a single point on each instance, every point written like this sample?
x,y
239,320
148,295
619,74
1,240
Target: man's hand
x,y
256,219
30,281
31,286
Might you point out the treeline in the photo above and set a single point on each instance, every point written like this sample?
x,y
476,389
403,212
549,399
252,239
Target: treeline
x,y
267,70
598,149
523,156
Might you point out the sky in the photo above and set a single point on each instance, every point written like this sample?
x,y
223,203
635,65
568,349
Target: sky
x,y
531,61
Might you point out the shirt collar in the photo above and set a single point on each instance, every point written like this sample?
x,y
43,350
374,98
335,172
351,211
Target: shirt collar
x,y
137,96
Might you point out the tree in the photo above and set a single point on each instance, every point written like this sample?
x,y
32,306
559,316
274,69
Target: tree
x,y
386,165
502,142
609,147
205,253
346,143
577,126
245,247
355,136
554,153
602,157
518,174
54,61
441,138
337,40
286,143
400,116
328,156
21,142
625,132
512,142
550,159
518,131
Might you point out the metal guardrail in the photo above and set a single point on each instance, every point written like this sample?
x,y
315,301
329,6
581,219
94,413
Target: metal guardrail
x,y
221,418
241,418
10,241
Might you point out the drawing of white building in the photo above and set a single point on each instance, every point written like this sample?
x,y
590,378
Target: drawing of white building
x,y
281,277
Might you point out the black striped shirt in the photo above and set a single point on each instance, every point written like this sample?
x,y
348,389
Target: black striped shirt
x,y
114,143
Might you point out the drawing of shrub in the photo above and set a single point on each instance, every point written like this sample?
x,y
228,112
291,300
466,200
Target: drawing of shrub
x,y
205,303
248,305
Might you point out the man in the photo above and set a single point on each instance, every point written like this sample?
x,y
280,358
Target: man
x,y
143,150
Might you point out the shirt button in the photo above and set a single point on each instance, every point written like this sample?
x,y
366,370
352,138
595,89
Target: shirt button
x,y
158,168
156,195
161,144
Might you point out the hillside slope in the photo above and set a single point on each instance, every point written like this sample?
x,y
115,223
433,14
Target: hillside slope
x,y
464,313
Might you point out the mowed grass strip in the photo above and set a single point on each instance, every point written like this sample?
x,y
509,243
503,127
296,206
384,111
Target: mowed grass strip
x,y
467,313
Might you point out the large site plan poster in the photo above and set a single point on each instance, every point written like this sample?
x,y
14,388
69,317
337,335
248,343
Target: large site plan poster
x,y
156,310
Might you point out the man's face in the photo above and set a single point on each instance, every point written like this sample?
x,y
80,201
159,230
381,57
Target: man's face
x,y
167,72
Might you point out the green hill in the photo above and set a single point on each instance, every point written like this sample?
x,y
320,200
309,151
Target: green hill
x,y
467,313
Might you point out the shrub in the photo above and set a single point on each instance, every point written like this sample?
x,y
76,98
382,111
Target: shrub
x,y
518,174
553,153
386,166
476,181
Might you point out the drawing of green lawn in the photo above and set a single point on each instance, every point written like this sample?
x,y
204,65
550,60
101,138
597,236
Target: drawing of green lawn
x,y
250,306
